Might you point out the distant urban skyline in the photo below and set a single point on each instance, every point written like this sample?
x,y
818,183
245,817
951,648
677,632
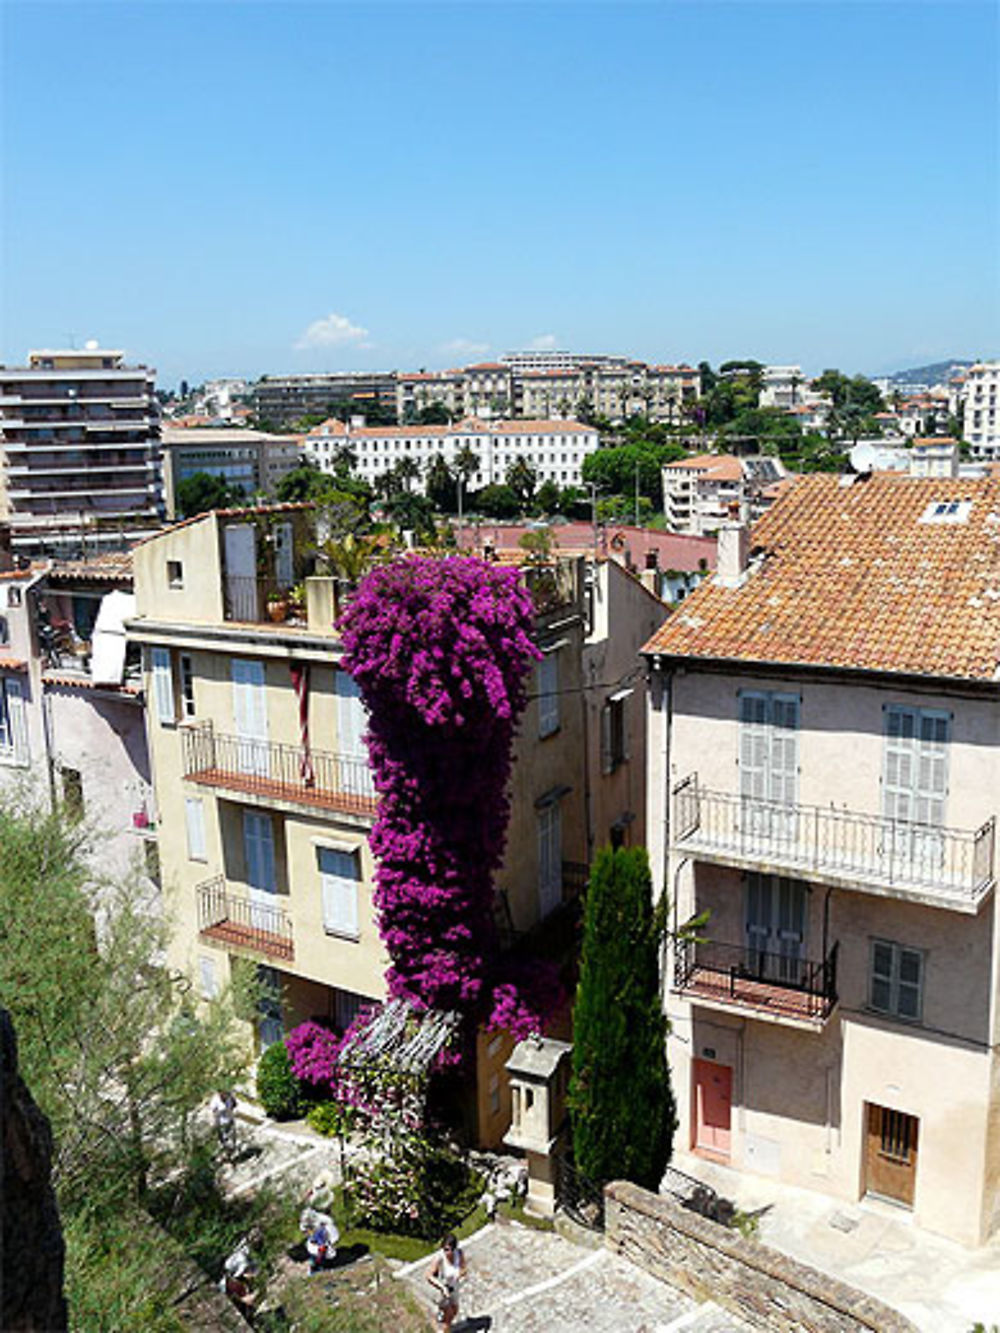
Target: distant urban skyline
x,y
322,187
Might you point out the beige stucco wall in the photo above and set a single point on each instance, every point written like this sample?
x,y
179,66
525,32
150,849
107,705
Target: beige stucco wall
x,y
799,1095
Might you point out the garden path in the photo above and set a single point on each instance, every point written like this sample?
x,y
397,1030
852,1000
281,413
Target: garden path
x,y
525,1281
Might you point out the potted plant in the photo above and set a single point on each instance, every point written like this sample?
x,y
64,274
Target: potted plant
x,y
277,606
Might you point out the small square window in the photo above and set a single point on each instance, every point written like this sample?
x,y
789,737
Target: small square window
x,y
896,980
175,574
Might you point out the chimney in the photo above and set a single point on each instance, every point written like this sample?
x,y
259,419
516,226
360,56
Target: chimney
x,y
732,554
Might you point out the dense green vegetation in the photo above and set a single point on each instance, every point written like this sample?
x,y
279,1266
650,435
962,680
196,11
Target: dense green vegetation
x,y
621,1102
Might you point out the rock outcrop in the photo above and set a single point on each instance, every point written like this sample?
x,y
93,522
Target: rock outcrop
x,y
31,1241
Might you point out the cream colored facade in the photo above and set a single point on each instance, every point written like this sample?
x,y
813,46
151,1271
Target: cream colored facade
x,y
266,857
863,998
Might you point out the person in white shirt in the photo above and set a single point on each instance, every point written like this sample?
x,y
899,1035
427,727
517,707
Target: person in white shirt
x,y
448,1267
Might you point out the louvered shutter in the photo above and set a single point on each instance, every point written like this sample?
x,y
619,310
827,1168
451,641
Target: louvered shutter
x,y
607,752
163,685
548,694
339,875
783,756
194,812
931,767
17,720
250,715
900,763
758,917
258,843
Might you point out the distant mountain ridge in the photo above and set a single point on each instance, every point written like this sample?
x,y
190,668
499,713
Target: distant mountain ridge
x,y
938,372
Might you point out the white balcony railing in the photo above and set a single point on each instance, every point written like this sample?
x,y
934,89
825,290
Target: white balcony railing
x,y
946,866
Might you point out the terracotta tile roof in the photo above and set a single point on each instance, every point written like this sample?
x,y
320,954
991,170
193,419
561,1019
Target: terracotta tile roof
x,y
850,577
59,680
674,550
464,427
289,508
113,567
716,467
13,664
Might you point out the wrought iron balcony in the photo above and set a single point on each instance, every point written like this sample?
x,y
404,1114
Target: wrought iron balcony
x,y
942,866
242,923
310,777
260,600
782,986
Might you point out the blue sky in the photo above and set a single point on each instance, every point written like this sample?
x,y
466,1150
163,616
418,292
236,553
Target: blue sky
x,y
230,188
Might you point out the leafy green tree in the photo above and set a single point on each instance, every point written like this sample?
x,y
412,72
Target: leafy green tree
x,y
497,502
620,1099
845,389
203,491
115,1049
615,471
434,414
412,512
547,498
522,480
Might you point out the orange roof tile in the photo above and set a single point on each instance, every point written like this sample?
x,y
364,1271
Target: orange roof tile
x,y
717,467
851,577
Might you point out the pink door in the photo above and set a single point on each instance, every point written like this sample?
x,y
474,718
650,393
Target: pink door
x,y
713,1097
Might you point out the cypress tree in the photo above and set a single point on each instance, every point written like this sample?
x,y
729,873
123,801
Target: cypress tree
x,y
621,1103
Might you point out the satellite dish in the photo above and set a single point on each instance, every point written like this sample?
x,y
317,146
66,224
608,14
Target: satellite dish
x,y
91,345
863,457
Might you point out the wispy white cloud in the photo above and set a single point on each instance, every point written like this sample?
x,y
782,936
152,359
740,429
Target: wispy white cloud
x,y
333,331
464,347
545,342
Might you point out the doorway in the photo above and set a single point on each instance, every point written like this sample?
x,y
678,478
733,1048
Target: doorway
x,y
891,1154
713,1100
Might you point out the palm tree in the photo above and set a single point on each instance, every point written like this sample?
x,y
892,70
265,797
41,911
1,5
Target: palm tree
x,y
407,471
466,466
521,478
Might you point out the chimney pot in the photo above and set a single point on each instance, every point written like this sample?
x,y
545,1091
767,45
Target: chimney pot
x,y
733,554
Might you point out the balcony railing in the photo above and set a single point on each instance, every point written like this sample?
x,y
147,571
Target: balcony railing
x,y
951,867
781,985
243,923
280,772
259,600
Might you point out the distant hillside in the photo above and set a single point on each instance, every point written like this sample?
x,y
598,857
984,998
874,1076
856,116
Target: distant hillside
x,y
937,373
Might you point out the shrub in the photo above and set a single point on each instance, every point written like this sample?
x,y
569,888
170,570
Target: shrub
x,y
331,1118
277,1087
423,1194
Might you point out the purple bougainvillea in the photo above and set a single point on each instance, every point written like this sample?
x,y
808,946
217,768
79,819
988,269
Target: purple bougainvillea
x,y
441,650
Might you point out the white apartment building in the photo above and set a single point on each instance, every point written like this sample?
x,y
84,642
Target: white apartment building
x,y
824,748
982,410
555,449
784,387
79,450
702,493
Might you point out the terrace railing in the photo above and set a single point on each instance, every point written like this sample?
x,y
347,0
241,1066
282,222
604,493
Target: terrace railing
x,y
952,866
782,984
242,922
284,772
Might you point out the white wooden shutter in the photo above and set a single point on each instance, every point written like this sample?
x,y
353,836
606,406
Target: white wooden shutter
x,y
209,984
163,685
194,811
17,720
352,723
339,874
250,715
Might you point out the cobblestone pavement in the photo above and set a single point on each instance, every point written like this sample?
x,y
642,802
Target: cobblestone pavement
x,y
526,1281
278,1156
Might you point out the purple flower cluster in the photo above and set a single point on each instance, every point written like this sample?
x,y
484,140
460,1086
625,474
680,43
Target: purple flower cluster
x,y
312,1054
441,650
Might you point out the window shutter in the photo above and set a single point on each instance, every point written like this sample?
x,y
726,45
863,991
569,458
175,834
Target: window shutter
x,y
163,685
548,694
607,754
209,986
931,769
908,997
753,746
258,843
783,753
194,811
339,876
17,720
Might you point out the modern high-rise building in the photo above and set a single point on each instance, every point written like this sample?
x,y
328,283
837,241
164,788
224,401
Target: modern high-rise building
x,y
982,410
79,451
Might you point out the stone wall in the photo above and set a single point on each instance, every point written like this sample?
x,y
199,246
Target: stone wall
x,y
768,1289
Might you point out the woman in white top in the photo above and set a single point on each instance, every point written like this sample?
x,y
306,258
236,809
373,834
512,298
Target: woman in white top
x,y
447,1268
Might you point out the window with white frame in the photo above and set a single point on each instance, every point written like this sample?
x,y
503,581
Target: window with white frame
x,y
548,694
194,812
163,686
13,722
340,875
896,980
187,685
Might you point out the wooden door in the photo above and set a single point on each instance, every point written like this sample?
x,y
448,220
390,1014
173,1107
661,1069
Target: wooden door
x,y
891,1154
713,1098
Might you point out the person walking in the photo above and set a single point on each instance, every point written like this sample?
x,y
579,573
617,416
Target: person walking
x,y
446,1271
223,1108
319,1244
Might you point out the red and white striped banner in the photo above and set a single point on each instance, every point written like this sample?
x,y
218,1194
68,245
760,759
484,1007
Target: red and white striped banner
x,y
300,683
